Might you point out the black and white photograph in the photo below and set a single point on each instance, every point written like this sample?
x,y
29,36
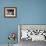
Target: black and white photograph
x,y
10,12
30,34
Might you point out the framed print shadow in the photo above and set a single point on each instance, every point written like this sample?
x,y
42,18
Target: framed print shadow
x,y
10,12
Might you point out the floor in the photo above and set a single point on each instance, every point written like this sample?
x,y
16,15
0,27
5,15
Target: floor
x,y
7,45
30,43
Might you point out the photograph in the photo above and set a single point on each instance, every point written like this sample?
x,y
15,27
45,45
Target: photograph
x,y
10,12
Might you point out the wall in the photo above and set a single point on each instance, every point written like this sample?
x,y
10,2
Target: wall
x,y
28,12
34,12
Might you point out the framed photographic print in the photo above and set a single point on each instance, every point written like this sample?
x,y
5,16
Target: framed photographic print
x,y
10,12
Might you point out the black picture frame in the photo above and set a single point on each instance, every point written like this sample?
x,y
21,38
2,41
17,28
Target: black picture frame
x,y
10,12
